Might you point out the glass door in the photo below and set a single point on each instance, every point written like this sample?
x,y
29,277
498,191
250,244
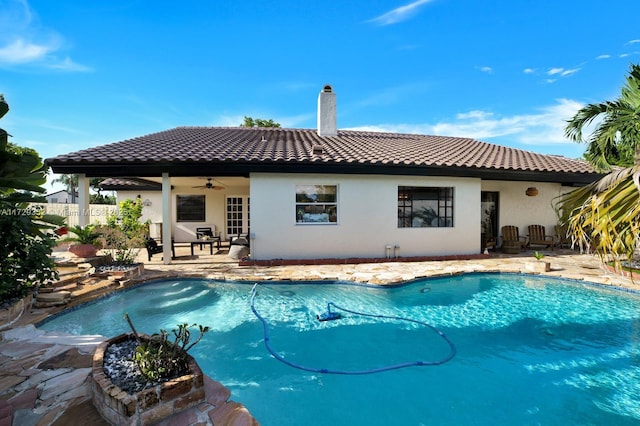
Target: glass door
x,y
489,217
237,220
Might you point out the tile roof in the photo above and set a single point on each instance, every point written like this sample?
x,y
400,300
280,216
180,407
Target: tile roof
x,y
370,151
130,184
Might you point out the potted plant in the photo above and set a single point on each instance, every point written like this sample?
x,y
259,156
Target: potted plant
x,y
141,379
86,239
538,265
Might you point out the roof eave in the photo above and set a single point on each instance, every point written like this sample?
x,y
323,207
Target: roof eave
x,y
245,168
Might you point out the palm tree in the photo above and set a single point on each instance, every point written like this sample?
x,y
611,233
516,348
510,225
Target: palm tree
x,y
604,216
71,184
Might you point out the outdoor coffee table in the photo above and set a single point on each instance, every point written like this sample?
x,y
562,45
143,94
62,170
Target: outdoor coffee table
x,y
206,242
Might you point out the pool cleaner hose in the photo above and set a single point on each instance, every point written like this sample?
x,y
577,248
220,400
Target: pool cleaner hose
x,y
332,315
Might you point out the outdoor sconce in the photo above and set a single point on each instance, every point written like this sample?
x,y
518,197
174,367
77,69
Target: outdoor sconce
x,y
531,191
147,203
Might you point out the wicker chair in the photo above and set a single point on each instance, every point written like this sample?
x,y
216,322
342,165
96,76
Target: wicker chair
x,y
512,242
537,237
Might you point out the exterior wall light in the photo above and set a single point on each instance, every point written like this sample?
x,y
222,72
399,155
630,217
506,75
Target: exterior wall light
x,y
531,191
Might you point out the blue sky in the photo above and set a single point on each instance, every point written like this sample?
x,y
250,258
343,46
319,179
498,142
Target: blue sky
x,y
77,74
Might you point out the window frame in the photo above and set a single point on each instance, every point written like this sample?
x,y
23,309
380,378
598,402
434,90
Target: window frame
x,y
318,203
444,197
193,209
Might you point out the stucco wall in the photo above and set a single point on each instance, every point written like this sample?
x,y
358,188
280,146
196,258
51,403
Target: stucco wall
x,y
516,208
185,231
367,219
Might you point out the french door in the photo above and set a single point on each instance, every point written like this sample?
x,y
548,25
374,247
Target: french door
x,y
237,215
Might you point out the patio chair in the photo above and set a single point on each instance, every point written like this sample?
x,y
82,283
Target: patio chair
x,y
537,237
206,232
240,240
153,247
512,242
562,236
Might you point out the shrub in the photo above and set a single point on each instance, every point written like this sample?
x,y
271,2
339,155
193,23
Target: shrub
x,y
124,233
158,357
87,235
25,241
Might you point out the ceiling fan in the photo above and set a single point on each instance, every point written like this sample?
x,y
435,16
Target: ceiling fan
x,y
209,185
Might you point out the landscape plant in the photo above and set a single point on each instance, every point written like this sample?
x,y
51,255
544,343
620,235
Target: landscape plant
x,y
84,235
605,216
159,358
26,233
124,233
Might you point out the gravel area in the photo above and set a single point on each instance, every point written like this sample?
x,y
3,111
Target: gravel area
x,y
119,366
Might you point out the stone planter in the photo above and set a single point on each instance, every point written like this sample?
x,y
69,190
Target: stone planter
x,y
150,405
537,266
83,250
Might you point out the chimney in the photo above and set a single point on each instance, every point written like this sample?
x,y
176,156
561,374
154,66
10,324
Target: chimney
x,y
327,112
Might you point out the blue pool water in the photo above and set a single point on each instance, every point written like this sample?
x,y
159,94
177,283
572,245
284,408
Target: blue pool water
x,y
530,350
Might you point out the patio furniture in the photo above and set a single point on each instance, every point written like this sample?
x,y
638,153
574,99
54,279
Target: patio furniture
x,y
153,247
512,242
208,242
562,236
239,246
204,232
204,235
489,243
537,237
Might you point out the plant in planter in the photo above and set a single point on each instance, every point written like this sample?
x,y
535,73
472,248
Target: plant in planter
x,y
538,265
141,379
86,239
158,358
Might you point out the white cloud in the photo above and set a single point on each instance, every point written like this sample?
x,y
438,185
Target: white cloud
x,y
399,14
475,114
488,70
605,56
528,71
566,73
633,41
543,127
23,41
21,51
559,72
67,65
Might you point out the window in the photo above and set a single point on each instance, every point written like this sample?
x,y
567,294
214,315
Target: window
x,y
317,204
425,207
190,208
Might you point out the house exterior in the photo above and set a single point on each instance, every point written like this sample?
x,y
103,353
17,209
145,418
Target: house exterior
x,y
62,197
329,193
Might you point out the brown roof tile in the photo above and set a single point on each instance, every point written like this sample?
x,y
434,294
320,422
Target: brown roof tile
x,y
196,145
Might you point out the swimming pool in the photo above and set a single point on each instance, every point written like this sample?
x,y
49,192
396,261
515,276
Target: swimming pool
x,y
530,350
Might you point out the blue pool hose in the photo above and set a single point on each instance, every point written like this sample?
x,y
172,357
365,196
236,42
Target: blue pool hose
x,y
276,355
